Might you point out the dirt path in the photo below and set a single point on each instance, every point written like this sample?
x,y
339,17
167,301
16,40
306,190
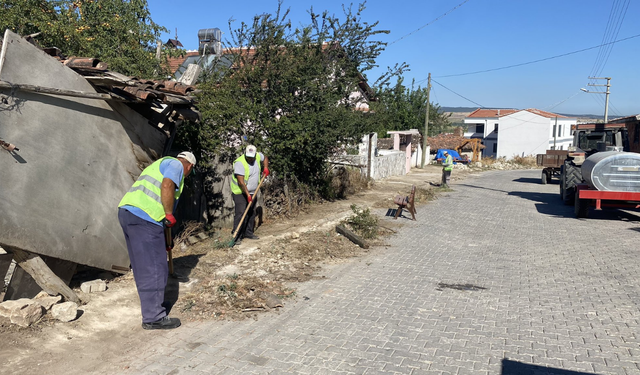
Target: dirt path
x,y
110,322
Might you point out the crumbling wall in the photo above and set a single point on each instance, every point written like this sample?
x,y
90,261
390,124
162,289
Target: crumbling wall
x,y
59,194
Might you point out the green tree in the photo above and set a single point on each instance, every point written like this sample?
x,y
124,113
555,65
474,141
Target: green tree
x,y
401,108
289,90
119,32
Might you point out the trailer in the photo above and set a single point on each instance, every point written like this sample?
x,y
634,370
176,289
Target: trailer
x,y
611,180
587,197
551,163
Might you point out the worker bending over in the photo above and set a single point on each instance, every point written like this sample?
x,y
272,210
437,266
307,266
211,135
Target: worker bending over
x,y
143,213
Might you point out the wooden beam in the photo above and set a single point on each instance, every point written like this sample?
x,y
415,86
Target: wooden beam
x,y
43,276
351,236
53,91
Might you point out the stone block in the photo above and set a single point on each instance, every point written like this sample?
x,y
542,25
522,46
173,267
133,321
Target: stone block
x,y
93,286
48,302
65,312
192,240
23,312
202,236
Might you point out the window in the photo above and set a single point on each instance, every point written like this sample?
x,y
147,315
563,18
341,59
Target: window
x,y
560,131
495,147
495,128
636,135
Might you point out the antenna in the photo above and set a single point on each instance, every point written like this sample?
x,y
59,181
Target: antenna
x,y
176,33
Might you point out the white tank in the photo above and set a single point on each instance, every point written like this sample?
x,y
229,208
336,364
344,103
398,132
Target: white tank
x,y
613,171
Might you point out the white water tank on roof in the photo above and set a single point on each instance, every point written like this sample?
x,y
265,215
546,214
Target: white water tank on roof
x,y
210,41
613,171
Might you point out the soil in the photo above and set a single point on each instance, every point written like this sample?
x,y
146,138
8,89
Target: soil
x,y
213,281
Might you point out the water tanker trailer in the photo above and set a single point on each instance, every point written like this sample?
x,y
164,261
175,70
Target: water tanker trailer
x,y
610,180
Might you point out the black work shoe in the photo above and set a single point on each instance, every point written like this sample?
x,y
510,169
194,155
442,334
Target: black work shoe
x,y
252,237
164,323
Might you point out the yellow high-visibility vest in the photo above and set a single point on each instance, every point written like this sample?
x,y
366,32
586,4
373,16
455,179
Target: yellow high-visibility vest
x,y
146,191
235,188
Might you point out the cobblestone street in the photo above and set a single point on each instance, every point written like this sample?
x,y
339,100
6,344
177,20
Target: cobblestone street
x,y
496,277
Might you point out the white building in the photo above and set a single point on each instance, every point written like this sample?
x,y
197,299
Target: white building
x,y
519,132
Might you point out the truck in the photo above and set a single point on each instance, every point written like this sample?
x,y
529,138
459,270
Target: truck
x,y
588,139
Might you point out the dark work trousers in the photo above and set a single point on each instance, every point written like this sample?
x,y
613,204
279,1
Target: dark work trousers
x,y
241,202
148,255
446,177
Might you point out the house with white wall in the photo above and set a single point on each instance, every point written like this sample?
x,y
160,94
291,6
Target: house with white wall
x,y
519,132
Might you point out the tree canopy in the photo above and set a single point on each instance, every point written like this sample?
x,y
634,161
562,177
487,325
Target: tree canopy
x,y
119,32
293,92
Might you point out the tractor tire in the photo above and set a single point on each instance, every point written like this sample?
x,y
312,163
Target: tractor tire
x,y
581,207
571,176
544,177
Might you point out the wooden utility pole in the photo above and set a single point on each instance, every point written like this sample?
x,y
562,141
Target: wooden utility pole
x,y
426,125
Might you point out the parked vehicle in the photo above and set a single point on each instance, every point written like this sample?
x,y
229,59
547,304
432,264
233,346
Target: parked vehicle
x,y
551,162
588,139
611,179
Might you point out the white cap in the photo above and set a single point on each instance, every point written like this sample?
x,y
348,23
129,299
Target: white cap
x,y
188,157
250,152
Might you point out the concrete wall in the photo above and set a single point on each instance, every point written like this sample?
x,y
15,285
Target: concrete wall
x,y
389,163
522,133
59,194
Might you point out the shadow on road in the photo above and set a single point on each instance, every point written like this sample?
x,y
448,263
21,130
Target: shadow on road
x,y
182,270
510,367
529,180
550,204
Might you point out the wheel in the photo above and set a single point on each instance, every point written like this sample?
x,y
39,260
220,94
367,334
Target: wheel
x,y
544,177
581,207
571,176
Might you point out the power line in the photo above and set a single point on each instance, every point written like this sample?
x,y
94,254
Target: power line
x,y
480,105
423,26
535,61
560,102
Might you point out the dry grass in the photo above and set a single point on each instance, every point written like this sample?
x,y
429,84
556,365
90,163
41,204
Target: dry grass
x,y
525,161
233,284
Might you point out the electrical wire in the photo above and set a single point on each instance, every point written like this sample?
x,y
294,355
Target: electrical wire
x,y
445,87
613,28
560,102
535,61
423,26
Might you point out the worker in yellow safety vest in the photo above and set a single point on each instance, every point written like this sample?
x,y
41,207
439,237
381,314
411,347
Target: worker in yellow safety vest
x,y
244,182
144,211
447,167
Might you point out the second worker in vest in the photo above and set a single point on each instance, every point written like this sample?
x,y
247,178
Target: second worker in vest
x,y
244,182
447,166
143,213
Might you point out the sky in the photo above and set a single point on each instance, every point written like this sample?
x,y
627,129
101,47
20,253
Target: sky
x,y
450,38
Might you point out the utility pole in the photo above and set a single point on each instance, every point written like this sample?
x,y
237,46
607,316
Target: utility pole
x,y
555,132
606,102
426,125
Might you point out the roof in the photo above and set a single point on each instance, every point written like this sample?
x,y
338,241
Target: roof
x,y
497,113
133,90
174,43
176,62
448,141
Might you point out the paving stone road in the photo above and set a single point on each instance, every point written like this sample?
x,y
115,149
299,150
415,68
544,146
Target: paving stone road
x,y
497,277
